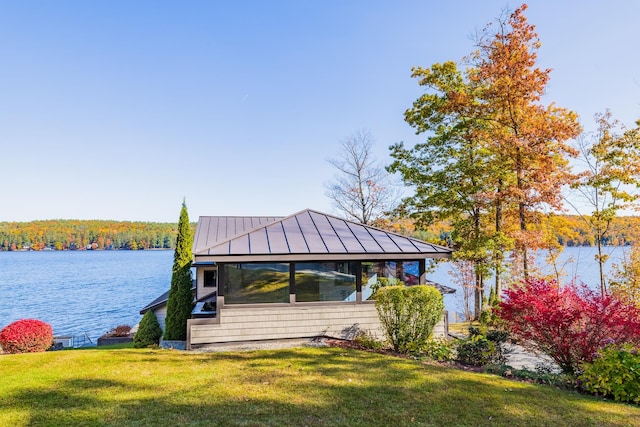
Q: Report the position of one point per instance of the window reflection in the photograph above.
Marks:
(388, 273)
(253, 283)
(325, 281)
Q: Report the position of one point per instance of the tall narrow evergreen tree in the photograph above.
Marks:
(180, 301)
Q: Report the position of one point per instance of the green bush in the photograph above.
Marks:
(439, 349)
(408, 314)
(149, 331)
(488, 316)
(366, 340)
(615, 372)
(482, 348)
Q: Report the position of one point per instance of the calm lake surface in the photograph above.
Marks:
(80, 292)
(90, 292)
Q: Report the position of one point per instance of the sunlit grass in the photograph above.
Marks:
(462, 328)
(306, 386)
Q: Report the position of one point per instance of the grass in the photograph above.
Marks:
(108, 347)
(462, 328)
(300, 387)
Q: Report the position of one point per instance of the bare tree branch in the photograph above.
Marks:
(361, 189)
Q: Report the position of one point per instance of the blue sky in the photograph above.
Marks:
(119, 109)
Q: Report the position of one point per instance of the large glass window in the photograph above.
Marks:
(253, 283)
(385, 273)
(325, 281)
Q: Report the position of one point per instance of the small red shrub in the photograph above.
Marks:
(26, 336)
(568, 323)
(120, 331)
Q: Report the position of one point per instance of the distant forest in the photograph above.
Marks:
(567, 230)
(83, 235)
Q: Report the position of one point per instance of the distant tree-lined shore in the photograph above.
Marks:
(86, 234)
(564, 230)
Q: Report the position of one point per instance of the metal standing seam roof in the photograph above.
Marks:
(305, 235)
(215, 229)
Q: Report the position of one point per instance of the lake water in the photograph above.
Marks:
(80, 292)
(575, 263)
(90, 292)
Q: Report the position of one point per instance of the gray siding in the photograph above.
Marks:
(253, 324)
(161, 314)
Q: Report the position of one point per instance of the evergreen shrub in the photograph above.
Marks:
(408, 314)
(180, 301)
(482, 348)
(149, 331)
(614, 372)
(26, 336)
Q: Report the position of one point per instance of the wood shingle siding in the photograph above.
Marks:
(271, 323)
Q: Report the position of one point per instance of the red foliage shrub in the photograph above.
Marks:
(567, 323)
(26, 336)
(120, 331)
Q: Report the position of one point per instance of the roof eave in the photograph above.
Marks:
(320, 257)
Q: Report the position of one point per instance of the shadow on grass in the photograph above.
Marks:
(313, 387)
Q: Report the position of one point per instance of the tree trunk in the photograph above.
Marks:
(479, 293)
(603, 285)
(521, 212)
(499, 251)
(523, 229)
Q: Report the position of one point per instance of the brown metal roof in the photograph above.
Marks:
(215, 229)
(306, 235)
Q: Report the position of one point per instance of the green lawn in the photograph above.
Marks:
(298, 387)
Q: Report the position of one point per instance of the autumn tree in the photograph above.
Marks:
(361, 189)
(528, 138)
(180, 302)
(555, 229)
(493, 154)
(625, 283)
(450, 170)
(612, 159)
(463, 274)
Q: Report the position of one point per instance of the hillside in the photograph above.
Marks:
(86, 234)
